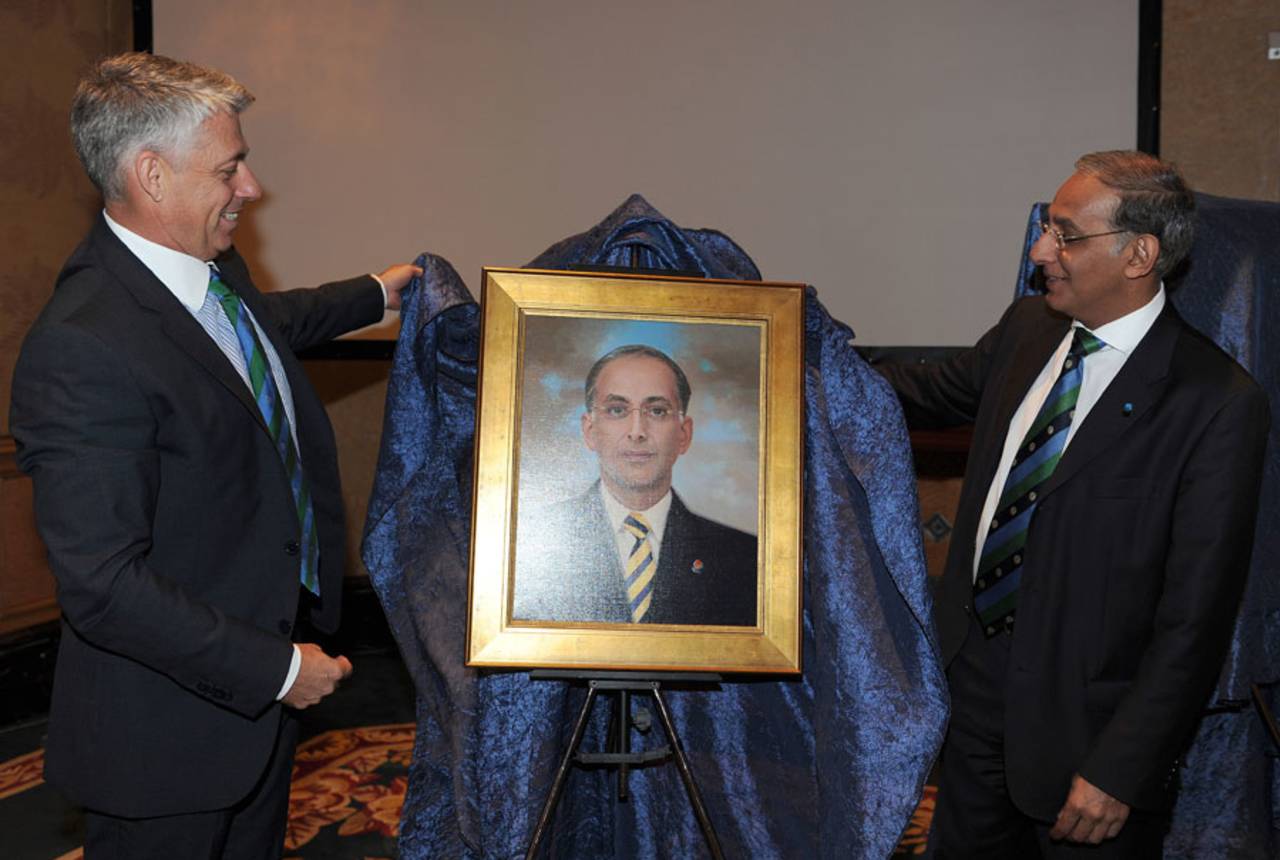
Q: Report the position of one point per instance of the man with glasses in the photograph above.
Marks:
(1103, 532)
(628, 550)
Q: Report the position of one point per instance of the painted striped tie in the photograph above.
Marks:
(640, 566)
(995, 590)
(267, 395)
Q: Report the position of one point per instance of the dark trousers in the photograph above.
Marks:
(253, 829)
(975, 817)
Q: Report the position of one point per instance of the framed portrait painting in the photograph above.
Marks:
(639, 474)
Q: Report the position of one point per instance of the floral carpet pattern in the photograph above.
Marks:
(348, 786)
(19, 774)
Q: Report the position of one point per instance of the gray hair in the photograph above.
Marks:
(1154, 198)
(682, 381)
(137, 101)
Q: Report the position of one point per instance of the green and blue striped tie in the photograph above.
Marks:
(267, 395)
(995, 590)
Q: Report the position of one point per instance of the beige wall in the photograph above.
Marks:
(1220, 101)
(887, 152)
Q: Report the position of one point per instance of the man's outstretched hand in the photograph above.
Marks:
(395, 279)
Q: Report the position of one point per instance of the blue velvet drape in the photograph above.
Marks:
(827, 765)
(1229, 803)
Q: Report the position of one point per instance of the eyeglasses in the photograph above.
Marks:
(1063, 241)
(653, 412)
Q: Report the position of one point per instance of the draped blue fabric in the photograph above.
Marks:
(1229, 804)
(830, 764)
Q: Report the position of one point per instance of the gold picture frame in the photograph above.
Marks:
(743, 343)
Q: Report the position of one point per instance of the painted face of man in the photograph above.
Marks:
(636, 428)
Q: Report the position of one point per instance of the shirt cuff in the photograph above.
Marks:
(384, 289)
(295, 663)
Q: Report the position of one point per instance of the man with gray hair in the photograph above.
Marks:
(1103, 532)
(185, 477)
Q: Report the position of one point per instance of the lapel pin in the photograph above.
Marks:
(696, 567)
(1126, 410)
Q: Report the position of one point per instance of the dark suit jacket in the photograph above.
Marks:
(568, 569)
(1136, 554)
(171, 528)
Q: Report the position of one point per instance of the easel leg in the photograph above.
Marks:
(623, 725)
(695, 797)
(562, 774)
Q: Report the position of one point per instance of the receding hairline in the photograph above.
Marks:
(683, 390)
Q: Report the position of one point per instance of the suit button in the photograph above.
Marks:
(285, 627)
(291, 547)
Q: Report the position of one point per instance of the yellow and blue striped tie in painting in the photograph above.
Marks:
(267, 395)
(640, 566)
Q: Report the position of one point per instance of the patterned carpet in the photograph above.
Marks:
(348, 785)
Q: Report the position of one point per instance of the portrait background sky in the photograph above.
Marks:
(717, 477)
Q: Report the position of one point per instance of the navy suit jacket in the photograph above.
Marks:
(171, 527)
(1136, 555)
(568, 568)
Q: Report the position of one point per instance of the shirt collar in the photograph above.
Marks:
(656, 515)
(1126, 332)
(182, 274)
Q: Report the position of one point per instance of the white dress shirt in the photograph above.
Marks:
(1121, 336)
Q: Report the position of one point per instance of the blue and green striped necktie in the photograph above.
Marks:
(995, 590)
(267, 395)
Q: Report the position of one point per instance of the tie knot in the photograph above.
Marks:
(1084, 343)
(637, 525)
(220, 290)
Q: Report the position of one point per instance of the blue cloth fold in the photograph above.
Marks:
(1229, 803)
(830, 764)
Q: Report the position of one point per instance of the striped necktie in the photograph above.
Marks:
(995, 591)
(640, 566)
(267, 395)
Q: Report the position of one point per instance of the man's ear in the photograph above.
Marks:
(1143, 253)
(686, 429)
(150, 173)
(586, 425)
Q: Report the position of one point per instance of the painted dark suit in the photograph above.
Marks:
(1136, 556)
(568, 568)
(171, 528)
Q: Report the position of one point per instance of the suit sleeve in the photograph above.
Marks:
(1206, 566)
(313, 316)
(88, 438)
(946, 393)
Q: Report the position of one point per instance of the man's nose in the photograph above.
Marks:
(247, 186)
(1044, 250)
(636, 428)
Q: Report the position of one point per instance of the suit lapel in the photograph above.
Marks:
(666, 578)
(1027, 360)
(609, 577)
(177, 323)
(1137, 386)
